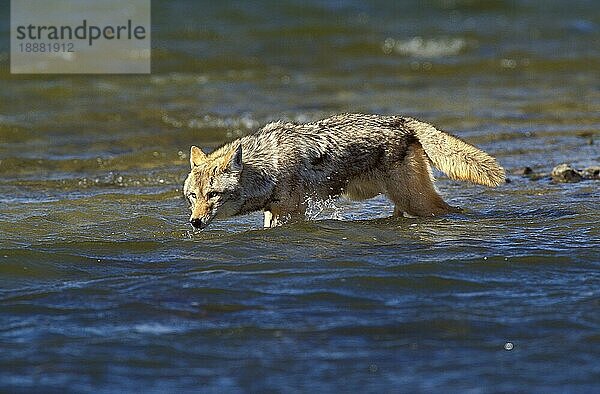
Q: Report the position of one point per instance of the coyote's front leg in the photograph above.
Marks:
(276, 216)
(270, 219)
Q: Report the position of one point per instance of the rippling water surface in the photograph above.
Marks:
(103, 287)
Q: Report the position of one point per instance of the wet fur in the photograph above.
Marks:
(359, 156)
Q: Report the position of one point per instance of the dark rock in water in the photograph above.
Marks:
(523, 171)
(592, 172)
(564, 173)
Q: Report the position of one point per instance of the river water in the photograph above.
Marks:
(105, 288)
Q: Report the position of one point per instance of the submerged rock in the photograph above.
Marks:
(592, 172)
(562, 173)
(565, 173)
(523, 171)
(529, 173)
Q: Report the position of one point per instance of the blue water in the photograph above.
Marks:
(105, 288)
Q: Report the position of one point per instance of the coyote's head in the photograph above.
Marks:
(212, 187)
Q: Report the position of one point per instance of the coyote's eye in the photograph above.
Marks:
(191, 198)
(211, 195)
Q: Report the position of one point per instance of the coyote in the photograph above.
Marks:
(277, 169)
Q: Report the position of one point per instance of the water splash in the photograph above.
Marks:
(318, 208)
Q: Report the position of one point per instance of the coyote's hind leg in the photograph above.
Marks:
(410, 187)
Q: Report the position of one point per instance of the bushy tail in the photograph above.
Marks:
(456, 158)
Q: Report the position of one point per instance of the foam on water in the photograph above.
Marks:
(425, 48)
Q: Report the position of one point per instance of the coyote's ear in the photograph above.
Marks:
(196, 156)
(233, 160)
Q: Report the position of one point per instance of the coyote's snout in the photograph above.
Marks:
(359, 156)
